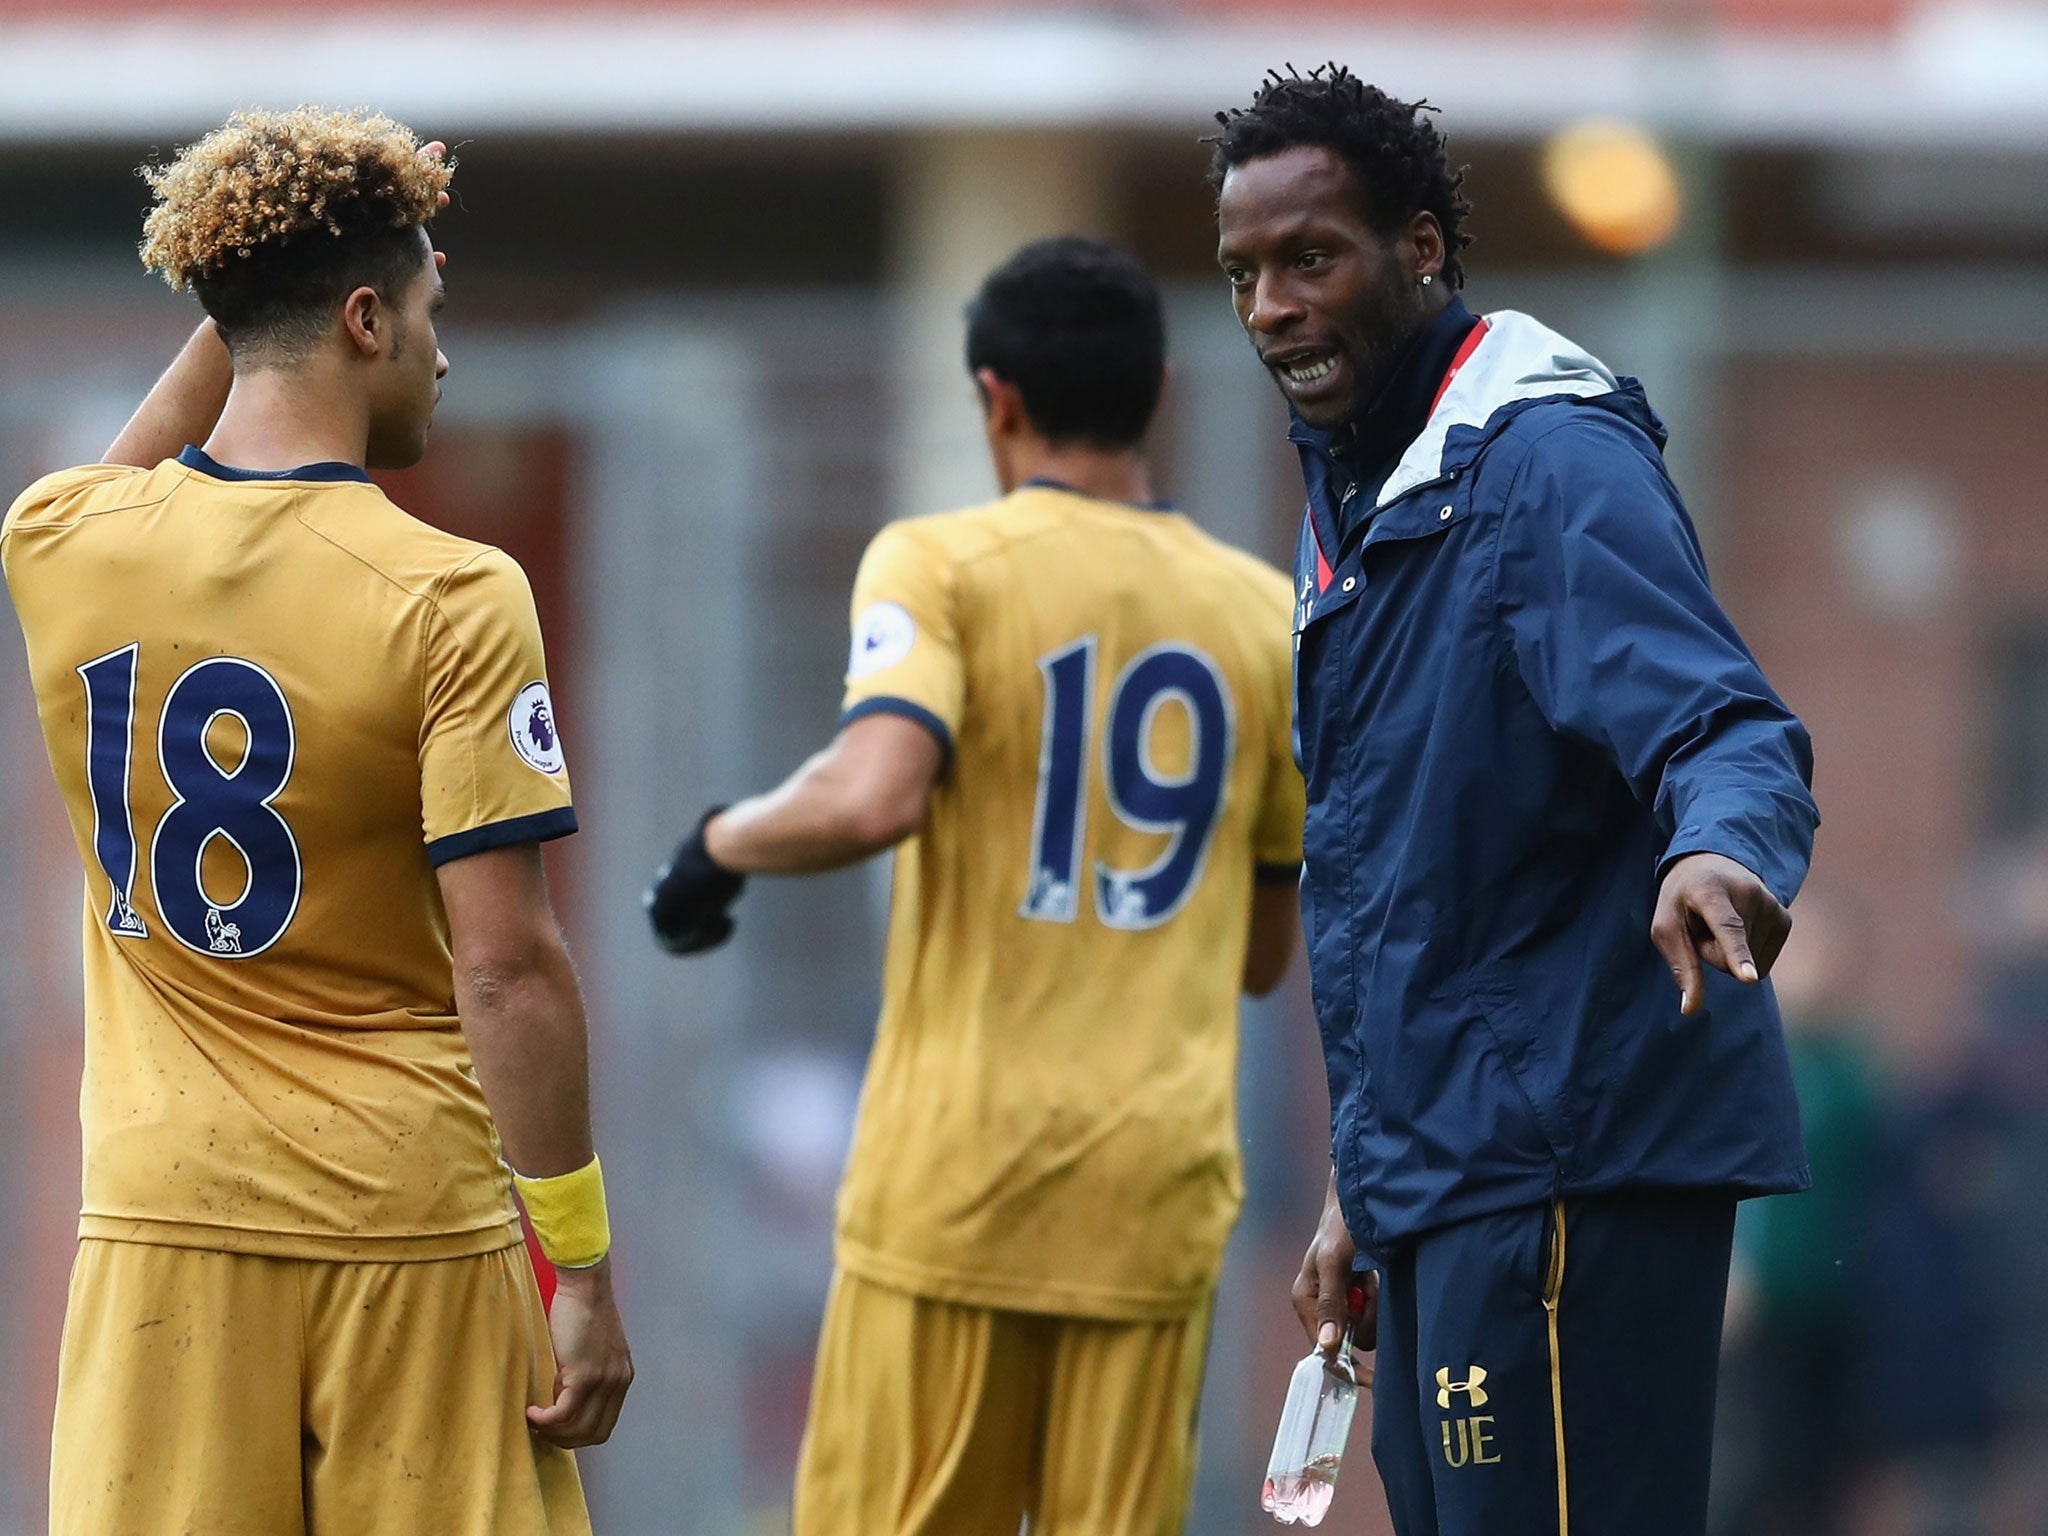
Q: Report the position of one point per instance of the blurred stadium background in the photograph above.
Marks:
(706, 266)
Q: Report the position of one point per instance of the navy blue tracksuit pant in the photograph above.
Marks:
(1550, 1371)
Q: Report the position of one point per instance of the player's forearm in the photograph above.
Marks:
(182, 407)
(525, 1025)
(1275, 937)
(821, 818)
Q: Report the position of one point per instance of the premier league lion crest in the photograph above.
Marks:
(532, 723)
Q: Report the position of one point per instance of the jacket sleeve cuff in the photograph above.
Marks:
(1773, 842)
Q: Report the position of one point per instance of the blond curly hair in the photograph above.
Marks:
(267, 179)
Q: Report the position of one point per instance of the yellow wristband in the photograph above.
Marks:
(568, 1215)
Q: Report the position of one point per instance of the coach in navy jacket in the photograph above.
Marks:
(1518, 704)
(1546, 782)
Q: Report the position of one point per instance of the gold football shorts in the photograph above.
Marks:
(930, 1418)
(228, 1394)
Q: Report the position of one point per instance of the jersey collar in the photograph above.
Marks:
(1047, 483)
(331, 470)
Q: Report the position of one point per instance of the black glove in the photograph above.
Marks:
(686, 905)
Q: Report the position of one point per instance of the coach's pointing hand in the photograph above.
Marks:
(1322, 1291)
(1713, 909)
(593, 1367)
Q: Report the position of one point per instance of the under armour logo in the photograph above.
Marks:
(1472, 1386)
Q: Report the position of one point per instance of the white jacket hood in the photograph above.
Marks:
(1517, 359)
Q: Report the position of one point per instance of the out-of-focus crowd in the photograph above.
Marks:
(1886, 1368)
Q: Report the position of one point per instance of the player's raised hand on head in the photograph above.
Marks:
(593, 1366)
(436, 150)
(1713, 909)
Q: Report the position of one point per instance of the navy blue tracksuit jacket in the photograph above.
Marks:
(1518, 702)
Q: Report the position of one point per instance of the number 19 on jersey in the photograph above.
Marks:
(1183, 807)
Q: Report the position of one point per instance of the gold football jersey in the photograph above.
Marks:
(1048, 1121)
(274, 703)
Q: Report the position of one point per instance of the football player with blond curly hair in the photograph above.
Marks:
(327, 1002)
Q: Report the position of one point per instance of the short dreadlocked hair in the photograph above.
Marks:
(274, 217)
(1396, 154)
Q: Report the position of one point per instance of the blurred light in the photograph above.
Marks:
(1902, 542)
(793, 1109)
(1612, 181)
(1990, 53)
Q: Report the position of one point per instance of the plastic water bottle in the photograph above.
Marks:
(1301, 1476)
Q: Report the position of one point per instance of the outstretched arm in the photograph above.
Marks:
(863, 793)
(1623, 646)
(183, 405)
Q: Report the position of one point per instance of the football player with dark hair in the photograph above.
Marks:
(1068, 713)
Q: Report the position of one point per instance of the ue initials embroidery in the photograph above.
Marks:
(1470, 1440)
